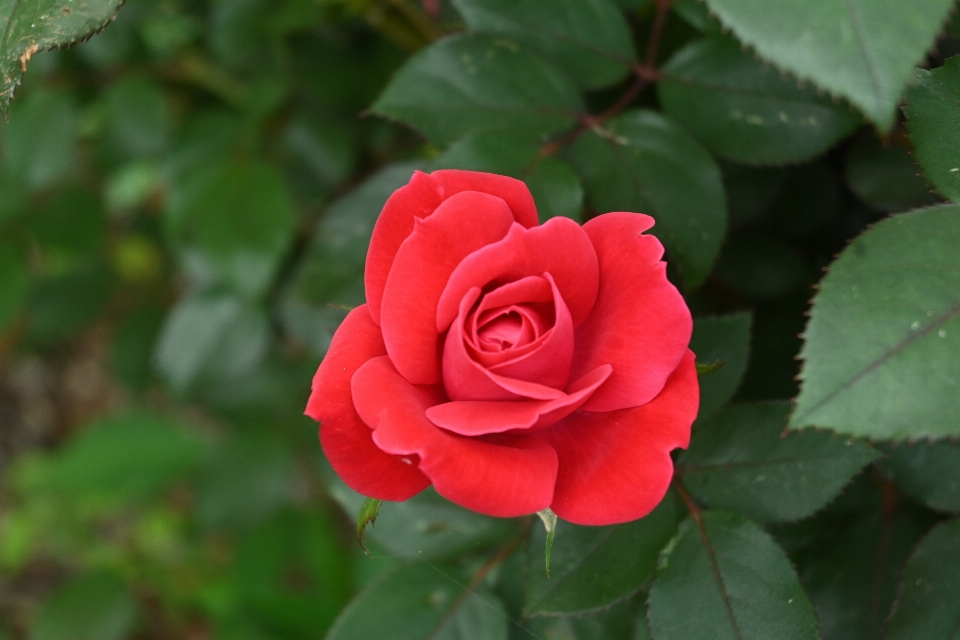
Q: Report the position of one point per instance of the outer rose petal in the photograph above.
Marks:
(615, 467)
(418, 199)
(640, 323)
(558, 247)
(504, 476)
(459, 226)
(346, 440)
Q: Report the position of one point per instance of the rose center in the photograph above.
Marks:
(504, 331)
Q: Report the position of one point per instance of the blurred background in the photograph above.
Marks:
(185, 202)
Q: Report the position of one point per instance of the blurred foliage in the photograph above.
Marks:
(185, 205)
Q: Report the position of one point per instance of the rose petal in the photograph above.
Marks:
(480, 417)
(419, 199)
(615, 467)
(465, 379)
(501, 475)
(346, 440)
(461, 225)
(558, 247)
(640, 323)
(549, 363)
(535, 289)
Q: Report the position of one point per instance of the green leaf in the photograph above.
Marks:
(211, 336)
(886, 177)
(92, 607)
(614, 623)
(59, 305)
(549, 519)
(721, 339)
(126, 455)
(335, 259)
(232, 222)
(589, 39)
(882, 349)
(426, 526)
(554, 185)
(643, 162)
(138, 117)
(421, 602)
(723, 578)
(470, 83)
(933, 113)
(852, 574)
(927, 603)
(862, 50)
(740, 461)
(29, 27)
(594, 567)
(368, 515)
(247, 479)
(766, 270)
(926, 471)
(742, 109)
(14, 276)
(40, 141)
(292, 573)
(695, 13)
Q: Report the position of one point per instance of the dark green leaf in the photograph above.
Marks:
(368, 515)
(232, 222)
(614, 623)
(126, 455)
(643, 162)
(593, 567)
(742, 109)
(926, 606)
(426, 526)
(470, 83)
(852, 576)
(933, 112)
(138, 117)
(211, 335)
(13, 292)
(336, 256)
(421, 601)
(695, 13)
(132, 354)
(247, 480)
(60, 305)
(589, 39)
(926, 471)
(861, 50)
(721, 339)
(555, 187)
(292, 573)
(29, 27)
(91, 607)
(725, 579)
(886, 177)
(762, 268)
(740, 461)
(40, 142)
(882, 349)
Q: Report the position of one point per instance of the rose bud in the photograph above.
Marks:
(512, 365)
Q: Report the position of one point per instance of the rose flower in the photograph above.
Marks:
(512, 365)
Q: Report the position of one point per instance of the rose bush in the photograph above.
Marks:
(514, 366)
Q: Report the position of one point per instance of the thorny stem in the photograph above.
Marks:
(645, 73)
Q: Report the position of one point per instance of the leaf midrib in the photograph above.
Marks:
(877, 363)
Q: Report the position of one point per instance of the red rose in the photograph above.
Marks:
(512, 365)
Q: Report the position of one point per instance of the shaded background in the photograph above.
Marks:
(185, 202)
